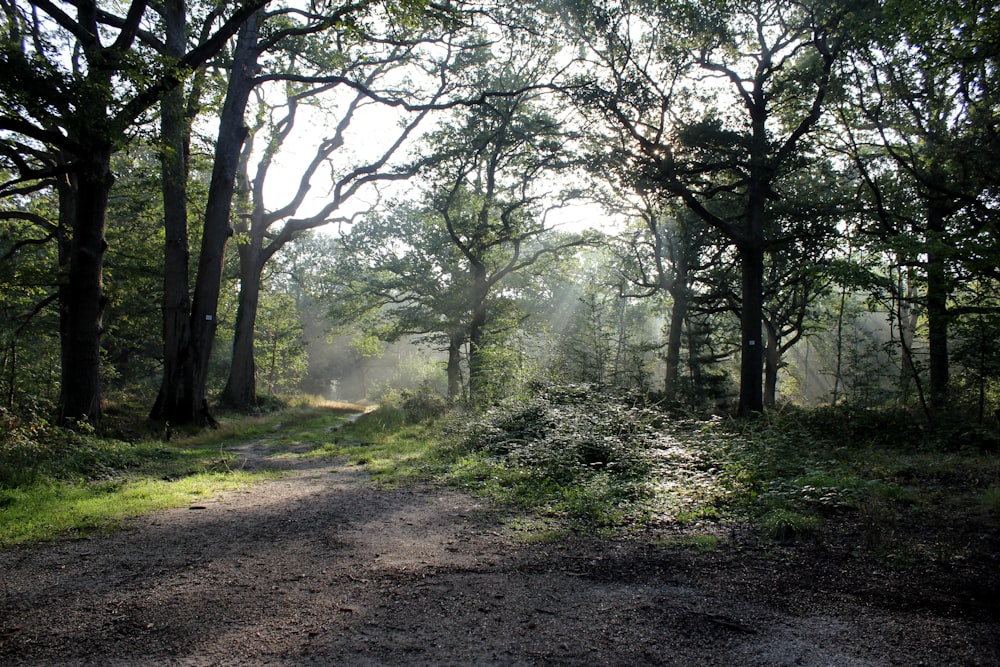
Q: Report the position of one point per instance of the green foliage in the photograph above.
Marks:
(416, 405)
(569, 450)
(29, 318)
(991, 500)
(280, 355)
(787, 525)
(698, 542)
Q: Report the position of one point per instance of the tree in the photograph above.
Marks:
(282, 355)
(486, 195)
(182, 397)
(400, 275)
(924, 134)
(375, 65)
(29, 321)
(484, 215)
(664, 253)
(717, 100)
(74, 86)
(597, 330)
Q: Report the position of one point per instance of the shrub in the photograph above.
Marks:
(789, 526)
(568, 448)
(416, 405)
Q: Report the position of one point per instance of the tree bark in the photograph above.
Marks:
(772, 361)
(455, 341)
(751, 316)
(675, 332)
(240, 392)
(217, 230)
(477, 326)
(82, 294)
(937, 310)
(174, 137)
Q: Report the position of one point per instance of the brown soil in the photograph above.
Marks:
(323, 567)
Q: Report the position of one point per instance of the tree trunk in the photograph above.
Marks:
(908, 318)
(937, 310)
(174, 136)
(232, 134)
(477, 326)
(751, 316)
(772, 360)
(241, 387)
(455, 340)
(675, 332)
(81, 295)
(240, 392)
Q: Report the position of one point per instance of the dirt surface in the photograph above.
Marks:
(322, 567)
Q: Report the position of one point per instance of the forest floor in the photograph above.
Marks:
(325, 567)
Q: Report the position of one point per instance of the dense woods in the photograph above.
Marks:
(719, 206)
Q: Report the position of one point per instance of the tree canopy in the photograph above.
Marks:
(784, 193)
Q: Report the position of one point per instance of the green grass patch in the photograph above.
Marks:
(390, 447)
(537, 530)
(586, 461)
(990, 500)
(56, 482)
(73, 509)
(786, 525)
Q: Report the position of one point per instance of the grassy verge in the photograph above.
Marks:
(395, 448)
(876, 484)
(59, 483)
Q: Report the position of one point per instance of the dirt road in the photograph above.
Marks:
(322, 567)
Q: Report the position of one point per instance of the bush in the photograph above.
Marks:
(416, 405)
(569, 448)
(33, 449)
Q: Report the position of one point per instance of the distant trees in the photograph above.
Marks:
(924, 138)
(483, 216)
(313, 77)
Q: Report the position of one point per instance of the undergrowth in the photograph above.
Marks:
(885, 482)
(569, 452)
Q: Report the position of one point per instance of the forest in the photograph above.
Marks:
(715, 279)
(720, 206)
(704, 209)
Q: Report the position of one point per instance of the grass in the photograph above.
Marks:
(582, 462)
(800, 476)
(44, 511)
(58, 483)
(699, 542)
(395, 451)
(567, 461)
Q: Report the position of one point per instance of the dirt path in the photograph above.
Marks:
(323, 568)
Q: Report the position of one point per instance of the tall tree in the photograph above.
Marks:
(664, 253)
(183, 392)
(374, 65)
(178, 108)
(75, 83)
(717, 100)
(398, 274)
(487, 194)
(925, 139)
